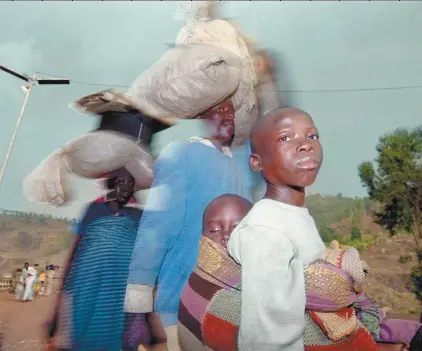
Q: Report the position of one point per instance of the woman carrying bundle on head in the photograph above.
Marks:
(90, 308)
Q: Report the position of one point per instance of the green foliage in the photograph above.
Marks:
(327, 210)
(361, 244)
(327, 234)
(356, 234)
(416, 276)
(30, 217)
(394, 180)
(405, 258)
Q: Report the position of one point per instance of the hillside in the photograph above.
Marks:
(41, 239)
(390, 259)
(342, 213)
(31, 237)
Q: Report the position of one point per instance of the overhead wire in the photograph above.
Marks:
(406, 87)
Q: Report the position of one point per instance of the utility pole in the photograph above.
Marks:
(28, 89)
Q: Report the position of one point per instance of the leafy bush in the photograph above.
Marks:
(327, 234)
(405, 258)
(356, 234)
(363, 243)
(416, 276)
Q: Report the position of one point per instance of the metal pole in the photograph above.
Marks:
(12, 141)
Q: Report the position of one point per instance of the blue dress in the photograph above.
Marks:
(166, 248)
(97, 279)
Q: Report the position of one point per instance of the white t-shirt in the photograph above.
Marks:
(273, 244)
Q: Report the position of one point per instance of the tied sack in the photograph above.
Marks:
(89, 156)
(221, 34)
(186, 81)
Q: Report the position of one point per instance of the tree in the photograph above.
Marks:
(396, 183)
(356, 234)
(327, 234)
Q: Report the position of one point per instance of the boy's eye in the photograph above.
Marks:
(313, 137)
(284, 138)
(215, 230)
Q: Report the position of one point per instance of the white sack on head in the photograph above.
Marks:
(89, 156)
(186, 81)
(222, 34)
(194, 10)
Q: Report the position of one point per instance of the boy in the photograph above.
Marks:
(278, 237)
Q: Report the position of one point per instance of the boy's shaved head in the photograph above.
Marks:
(269, 121)
(286, 148)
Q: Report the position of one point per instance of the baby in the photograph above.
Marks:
(278, 237)
(215, 276)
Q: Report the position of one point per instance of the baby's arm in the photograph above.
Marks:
(273, 290)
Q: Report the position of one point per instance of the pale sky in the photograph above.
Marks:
(319, 45)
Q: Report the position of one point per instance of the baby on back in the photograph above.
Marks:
(214, 284)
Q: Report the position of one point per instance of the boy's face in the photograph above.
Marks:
(221, 219)
(289, 151)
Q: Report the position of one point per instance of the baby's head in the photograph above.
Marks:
(222, 215)
(286, 148)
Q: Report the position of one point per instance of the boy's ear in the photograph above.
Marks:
(255, 163)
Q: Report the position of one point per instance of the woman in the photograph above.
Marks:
(91, 305)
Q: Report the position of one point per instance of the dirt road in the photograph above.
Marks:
(20, 322)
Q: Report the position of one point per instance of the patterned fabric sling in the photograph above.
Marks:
(211, 306)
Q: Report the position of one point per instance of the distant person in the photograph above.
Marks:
(51, 274)
(90, 306)
(42, 280)
(19, 284)
(30, 276)
(278, 237)
(37, 284)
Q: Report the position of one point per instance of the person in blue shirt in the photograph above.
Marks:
(189, 175)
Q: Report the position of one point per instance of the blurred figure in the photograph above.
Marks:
(30, 276)
(42, 281)
(51, 274)
(19, 284)
(267, 91)
(194, 172)
(90, 308)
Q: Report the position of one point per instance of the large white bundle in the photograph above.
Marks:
(90, 156)
(186, 81)
(220, 33)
